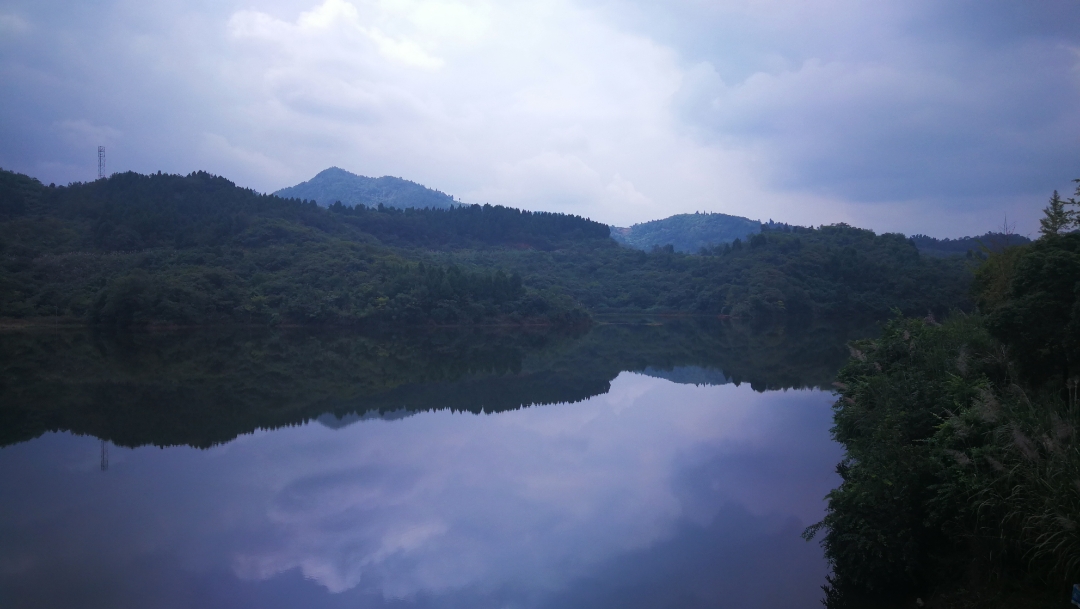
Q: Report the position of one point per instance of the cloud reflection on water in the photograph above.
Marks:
(676, 491)
(535, 497)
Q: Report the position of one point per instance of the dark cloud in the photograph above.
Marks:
(958, 107)
(995, 23)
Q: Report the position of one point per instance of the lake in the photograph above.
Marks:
(636, 464)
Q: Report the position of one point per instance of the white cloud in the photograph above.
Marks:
(329, 14)
(403, 50)
(219, 149)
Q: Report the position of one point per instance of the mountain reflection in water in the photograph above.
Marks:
(370, 482)
(206, 387)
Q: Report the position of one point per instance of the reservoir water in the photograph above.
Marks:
(669, 465)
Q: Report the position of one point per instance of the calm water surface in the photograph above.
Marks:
(653, 493)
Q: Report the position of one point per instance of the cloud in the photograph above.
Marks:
(884, 111)
(880, 132)
(83, 133)
(216, 148)
(336, 18)
(560, 182)
(620, 110)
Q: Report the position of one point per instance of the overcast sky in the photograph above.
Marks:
(920, 116)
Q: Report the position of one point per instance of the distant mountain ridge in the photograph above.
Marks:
(687, 232)
(335, 184)
(991, 241)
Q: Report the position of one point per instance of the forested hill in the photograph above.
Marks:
(132, 212)
(335, 184)
(167, 249)
(690, 233)
(687, 232)
(471, 226)
(197, 249)
(831, 271)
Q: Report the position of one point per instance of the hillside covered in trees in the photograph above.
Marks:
(692, 233)
(334, 185)
(196, 249)
(686, 233)
(833, 271)
(167, 249)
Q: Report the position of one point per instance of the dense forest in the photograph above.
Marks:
(196, 249)
(961, 484)
(832, 271)
(187, 250)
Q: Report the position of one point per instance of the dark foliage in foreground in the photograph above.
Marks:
(961, 483)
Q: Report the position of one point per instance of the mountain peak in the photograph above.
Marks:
(687, 232)
(336, 184)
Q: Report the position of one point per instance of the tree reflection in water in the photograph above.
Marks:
(204, 387)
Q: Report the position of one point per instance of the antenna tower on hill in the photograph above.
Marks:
(100, 162)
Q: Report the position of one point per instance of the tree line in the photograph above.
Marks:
(136, 249)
